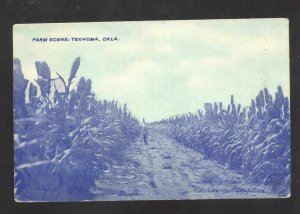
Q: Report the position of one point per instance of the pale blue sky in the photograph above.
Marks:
(163, 68)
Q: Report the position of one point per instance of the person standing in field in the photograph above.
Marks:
(145, 132)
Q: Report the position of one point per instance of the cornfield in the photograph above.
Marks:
(254, 141)
(64, 138)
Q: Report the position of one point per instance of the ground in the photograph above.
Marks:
(165, 169)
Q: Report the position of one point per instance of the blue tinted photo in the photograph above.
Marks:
(153, 110)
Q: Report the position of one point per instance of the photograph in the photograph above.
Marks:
(152, 110)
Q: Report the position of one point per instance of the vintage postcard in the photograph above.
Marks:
(151, 110)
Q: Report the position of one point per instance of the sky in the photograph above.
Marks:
(165, 68)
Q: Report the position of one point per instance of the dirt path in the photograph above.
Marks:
(165, 169)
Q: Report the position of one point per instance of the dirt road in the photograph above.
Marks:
(165, 169)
